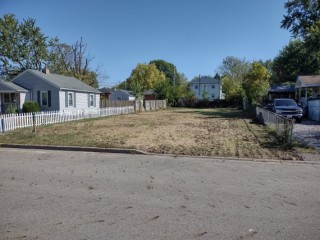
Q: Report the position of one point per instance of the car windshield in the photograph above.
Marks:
(285, 102)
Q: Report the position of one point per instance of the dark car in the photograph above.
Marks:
(288, 108)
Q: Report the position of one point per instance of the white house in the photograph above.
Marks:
(53, 92)
(206, 87)
(121, 94)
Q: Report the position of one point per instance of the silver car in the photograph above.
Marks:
(288, 108)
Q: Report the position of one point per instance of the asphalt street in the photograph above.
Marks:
(79, 195)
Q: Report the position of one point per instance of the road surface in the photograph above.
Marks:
(79, 195)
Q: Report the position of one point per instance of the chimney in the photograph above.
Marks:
(46, 70)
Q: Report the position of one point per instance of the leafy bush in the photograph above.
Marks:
(30, 107)
(11, 109)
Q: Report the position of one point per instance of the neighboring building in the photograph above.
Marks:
(206, 87)
(105, 93)
(308, 95)
(122, 95)
(54, 92)
(149, 95)
(281, 92)
(12, 94)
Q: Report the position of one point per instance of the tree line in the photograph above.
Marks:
(23, 46)
(301, 56)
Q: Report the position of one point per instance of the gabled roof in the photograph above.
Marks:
(105, 90)
(205, 80)
(130, 93)
(10, 87)
(62, 82)
(149, 92)
(308, 81)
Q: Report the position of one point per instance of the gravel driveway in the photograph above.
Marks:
(308, 132)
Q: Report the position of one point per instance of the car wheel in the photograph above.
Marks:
(298, 120)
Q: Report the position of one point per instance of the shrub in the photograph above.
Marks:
(11, 109)
(30, 107)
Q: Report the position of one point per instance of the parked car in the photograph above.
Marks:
(288, 108)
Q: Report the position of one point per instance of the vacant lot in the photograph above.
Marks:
(208, 132)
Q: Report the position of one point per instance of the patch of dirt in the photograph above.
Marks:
(207, 132)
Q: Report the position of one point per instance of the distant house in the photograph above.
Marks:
(121, 94)
(11, 94)
(149, 95)
(105, 93)
(206, 87)
(53, 92)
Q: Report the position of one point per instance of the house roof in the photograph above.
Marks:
(10, 87)
(149, 92)
(280, 89)
(106, 90)
(205, 80)
(130, 93)
(308, 81)
(62, 82)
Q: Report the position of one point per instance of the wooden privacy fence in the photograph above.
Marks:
(153, 105)
(115, 103)
(13, 121)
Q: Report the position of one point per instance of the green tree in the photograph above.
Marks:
(297, 58)
(231, 88)
(164, 90)
(256, 83)
(232, 72)
(22, 46)
(312, 39)
(301, 15)
(146, 76)
(169, 70)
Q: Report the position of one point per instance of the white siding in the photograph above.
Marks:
(81, 99)
(22, 99)
(198, 93)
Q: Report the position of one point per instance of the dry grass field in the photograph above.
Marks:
(205, 132)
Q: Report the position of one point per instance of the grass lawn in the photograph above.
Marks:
(209, 132)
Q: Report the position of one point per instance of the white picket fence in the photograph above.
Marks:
(14, 121)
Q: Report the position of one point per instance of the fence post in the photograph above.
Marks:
(2, 124)
(290, 133)
(34, 122)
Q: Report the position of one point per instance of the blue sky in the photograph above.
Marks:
(194, 35)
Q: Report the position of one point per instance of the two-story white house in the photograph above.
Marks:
(206, 87)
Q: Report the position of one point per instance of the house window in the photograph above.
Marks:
(70, 99)
(213, 86)
(195, 86)
(9, 97)
(213, 96)
(44, 99)
(119, 98)
(91, 100)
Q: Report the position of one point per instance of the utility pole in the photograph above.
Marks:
(174, 86)
(199, 85)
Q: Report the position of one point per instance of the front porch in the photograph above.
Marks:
(12, 97)
(308, 95)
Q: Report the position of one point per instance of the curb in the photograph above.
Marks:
(74, 148)
(140, 152)
(222, 159)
